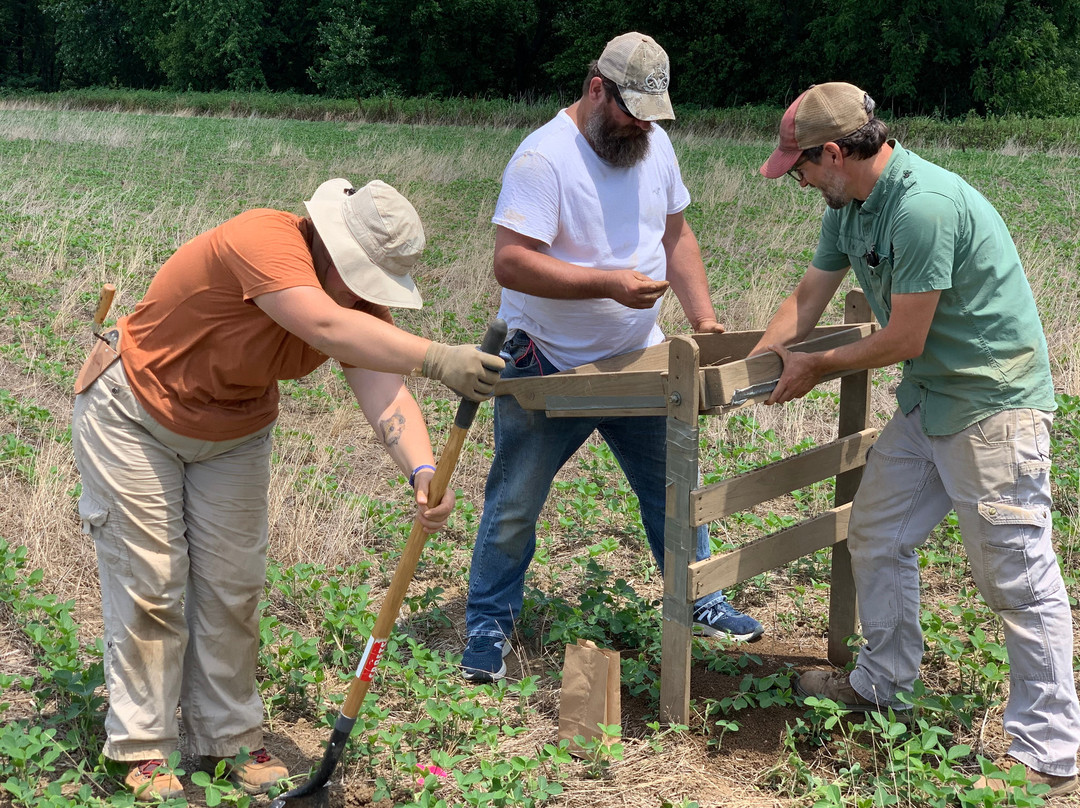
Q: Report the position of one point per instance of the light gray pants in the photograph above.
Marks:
(180, 527)
(996, 475)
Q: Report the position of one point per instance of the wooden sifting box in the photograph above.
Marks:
(636, 383)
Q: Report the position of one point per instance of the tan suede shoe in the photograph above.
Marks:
(261, 770)
(835, 685)
(151, 783)
(1058, 784)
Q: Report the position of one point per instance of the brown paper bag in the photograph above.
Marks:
(590, 693)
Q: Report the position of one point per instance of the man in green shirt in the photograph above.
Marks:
(971, 432)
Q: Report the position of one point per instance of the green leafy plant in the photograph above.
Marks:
(599, 753)
(217, 788)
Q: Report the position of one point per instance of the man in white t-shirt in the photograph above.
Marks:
(590, 235)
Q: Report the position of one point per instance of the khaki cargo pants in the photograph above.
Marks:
(996, 476)
(180, 528)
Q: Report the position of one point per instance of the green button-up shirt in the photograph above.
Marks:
(922, 229)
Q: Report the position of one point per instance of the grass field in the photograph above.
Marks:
(90, 197)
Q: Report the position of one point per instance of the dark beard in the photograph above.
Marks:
(613, 144)
(834, 195)
(836, 202)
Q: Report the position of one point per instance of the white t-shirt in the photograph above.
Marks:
(587, 212)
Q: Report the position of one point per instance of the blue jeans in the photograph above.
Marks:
(530, 448)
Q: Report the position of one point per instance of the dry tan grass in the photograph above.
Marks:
(733, 229)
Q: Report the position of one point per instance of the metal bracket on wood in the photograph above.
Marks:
(744, 394)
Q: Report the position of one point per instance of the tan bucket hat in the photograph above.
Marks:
(374, 236)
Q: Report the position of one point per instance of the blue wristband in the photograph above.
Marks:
(412, 477)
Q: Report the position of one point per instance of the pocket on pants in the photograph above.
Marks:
(525, 358)
(1009, 533)
(521, 350)
(92, 512)
(112, 551)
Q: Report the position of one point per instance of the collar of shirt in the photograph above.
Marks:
(893, 174)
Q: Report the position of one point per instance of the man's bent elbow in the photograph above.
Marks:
(507, 263)
(504, 274)
(511, 272)
(899, 343)
(910, 349)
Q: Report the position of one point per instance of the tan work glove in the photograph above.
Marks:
(465, 369)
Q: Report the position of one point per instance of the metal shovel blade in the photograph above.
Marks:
(319, 798)
(314, 793)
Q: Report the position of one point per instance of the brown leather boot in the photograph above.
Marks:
(835, 685)
(151, 783)
(257, 774)
(1058, 784)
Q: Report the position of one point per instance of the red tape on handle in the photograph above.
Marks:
(372, 654)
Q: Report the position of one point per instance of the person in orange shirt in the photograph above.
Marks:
(173, 446)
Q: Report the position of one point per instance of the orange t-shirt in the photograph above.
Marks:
(201, 357)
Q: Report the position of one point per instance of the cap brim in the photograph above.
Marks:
(648, 106)
(363, 276)
(780, 162)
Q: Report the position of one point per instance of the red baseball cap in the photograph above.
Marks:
(824, 113)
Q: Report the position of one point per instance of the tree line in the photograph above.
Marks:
(931, 57)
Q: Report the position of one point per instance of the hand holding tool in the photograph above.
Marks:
(313, 792)
(468, 372)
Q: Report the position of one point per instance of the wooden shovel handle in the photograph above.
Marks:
(410, 557)
(105, 301)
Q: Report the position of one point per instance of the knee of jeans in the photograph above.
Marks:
(513, 539)
(1017, 565)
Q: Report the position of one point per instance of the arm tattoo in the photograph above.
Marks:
(392, 428)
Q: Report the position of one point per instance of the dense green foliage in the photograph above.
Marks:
(942, 58)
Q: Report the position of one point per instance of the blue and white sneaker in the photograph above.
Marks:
(721, 619)
(483, 659)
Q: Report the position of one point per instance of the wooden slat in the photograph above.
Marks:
(652, 358)
(594, 393)
(853, 417)
(719, 349)
(723, 381)
(680, 539)
(776, 479)
(720, 572)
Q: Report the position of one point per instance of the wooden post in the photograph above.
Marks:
(854, 416)
(680, 537)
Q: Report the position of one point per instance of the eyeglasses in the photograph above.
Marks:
(622, 104)
(613, 90)
(796, 173)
